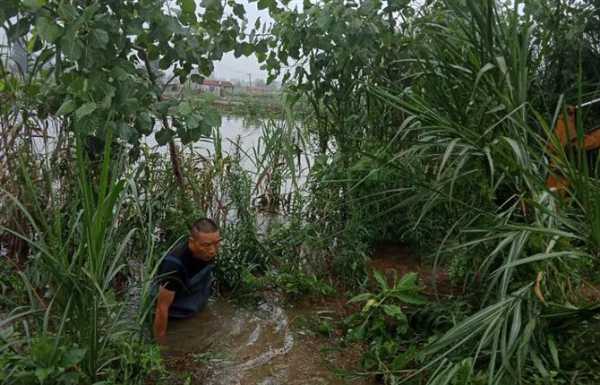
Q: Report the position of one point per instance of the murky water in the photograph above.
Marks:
(258, 346)
(233, 129)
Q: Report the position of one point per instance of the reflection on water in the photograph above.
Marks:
(237, 135)
(241, 136)
(242, 346)
(233, 129)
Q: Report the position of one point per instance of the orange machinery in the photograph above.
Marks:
(566, 132)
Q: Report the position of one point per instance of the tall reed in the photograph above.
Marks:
(80, 255)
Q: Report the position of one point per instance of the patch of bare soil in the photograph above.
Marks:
(394, 260)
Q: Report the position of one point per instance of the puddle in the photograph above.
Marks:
(234, 345)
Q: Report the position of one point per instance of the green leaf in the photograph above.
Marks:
(48, 29)
(262, 4)
(101, 36)
(212, 118)
(380, 279)
(408, 281)
(539, 365)
(67, 11)
(237, 51)
(71, 46)
(72, 357)
(42, 351)
(247, 49)
(358, 333)
(211, 3)
(403, 359)
(553, 352)
(67, 107)
(188, 6)
(85, 110)
(239, 11)
(184, 108)
(34, 4)
(324, 21)
(144, 123)
(395, 312)
(42, 374)
(71, 378)
(163, 136)
(411, 299)
(164, 106)
(127, 132)
(33, 44)
(361, 297)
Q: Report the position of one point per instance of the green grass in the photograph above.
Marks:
(77, 255)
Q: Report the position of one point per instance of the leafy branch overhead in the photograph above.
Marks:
(107, 61)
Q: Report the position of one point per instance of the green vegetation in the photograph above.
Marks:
(248, 105)
(425, 124)
(384, 324)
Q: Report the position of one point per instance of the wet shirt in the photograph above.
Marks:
(174, 275)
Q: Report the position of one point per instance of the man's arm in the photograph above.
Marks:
(161, 316)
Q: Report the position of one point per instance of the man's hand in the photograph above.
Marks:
(161, 316)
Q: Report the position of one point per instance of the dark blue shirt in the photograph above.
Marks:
(174, 275)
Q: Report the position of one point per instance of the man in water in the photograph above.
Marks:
(186, 275)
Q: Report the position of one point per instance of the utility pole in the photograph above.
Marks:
(250, 79)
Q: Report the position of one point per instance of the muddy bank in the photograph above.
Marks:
(397, 259)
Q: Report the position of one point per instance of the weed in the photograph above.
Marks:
(383, 324)
(293, 285)
(44, 361)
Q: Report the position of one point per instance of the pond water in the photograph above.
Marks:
(236, 345)
(243, 136)
(237, 135)
(233, 129)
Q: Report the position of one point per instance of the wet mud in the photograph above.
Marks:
(266, 344)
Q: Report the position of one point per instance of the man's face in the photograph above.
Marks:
(204, 246)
